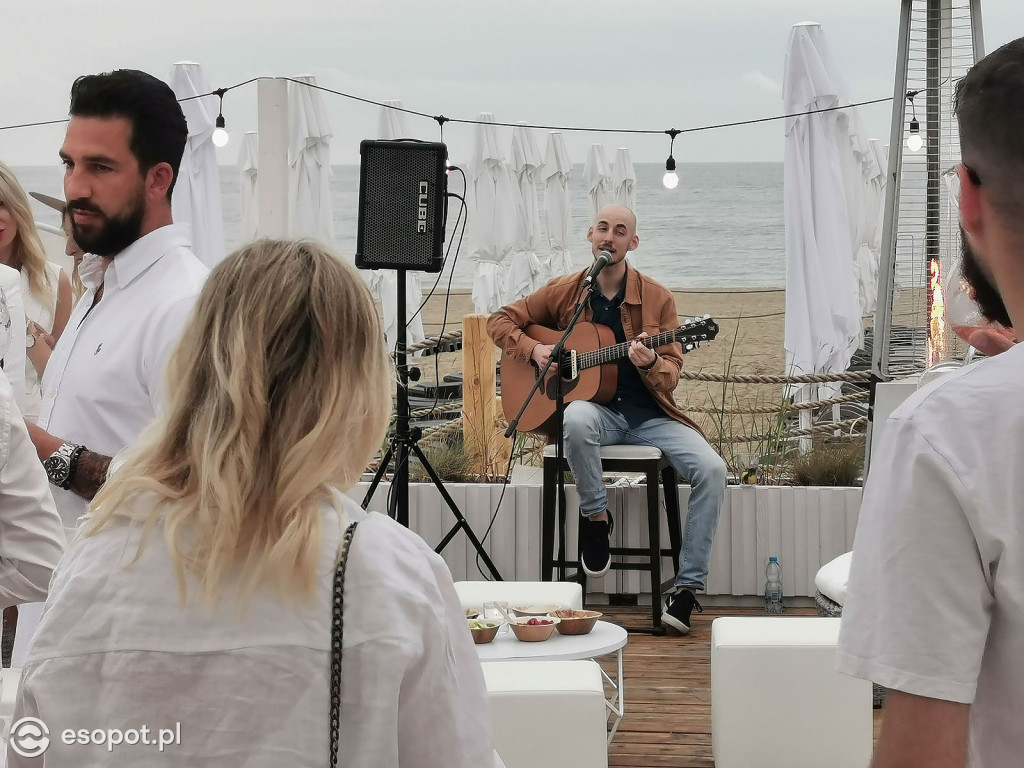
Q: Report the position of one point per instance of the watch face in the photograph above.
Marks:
(57, 469)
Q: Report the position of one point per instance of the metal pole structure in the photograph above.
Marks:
(932, 147)
(890, 226)
(272, 173)
(890, 222)
(977, 35)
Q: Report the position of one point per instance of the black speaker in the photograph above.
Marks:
(403, 189)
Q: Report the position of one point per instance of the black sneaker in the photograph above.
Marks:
(678, 608)
(596, 534)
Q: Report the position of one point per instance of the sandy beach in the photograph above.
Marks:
(749, 342)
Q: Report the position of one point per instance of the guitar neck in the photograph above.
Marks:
(618, 351)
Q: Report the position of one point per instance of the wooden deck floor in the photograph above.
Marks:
(668, 692)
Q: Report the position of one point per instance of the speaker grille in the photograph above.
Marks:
(402, 202)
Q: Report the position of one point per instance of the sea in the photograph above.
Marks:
(721, 228)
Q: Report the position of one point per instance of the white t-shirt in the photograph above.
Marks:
(935, 602)
(116, 649)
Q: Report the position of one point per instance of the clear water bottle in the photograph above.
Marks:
(773, 586)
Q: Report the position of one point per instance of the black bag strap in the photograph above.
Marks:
(337, 631)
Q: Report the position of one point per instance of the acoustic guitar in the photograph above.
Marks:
(588, 368)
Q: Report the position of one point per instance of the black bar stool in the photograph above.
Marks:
(619, 458)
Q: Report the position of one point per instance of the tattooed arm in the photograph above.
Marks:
(89, 472)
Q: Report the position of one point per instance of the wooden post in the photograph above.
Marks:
(486, 446)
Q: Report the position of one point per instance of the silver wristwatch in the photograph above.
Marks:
(60, 465)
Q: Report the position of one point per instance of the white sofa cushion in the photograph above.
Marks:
(832, 578)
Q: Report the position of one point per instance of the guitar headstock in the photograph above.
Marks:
(695, 332)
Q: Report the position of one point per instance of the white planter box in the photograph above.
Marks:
(805, 527)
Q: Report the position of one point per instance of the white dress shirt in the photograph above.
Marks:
(117, 649)
(102, 384)
(31, 534)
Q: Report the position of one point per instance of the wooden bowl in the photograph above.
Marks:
(540, 609)
(485, 631)
(576, 622)
(534, 633)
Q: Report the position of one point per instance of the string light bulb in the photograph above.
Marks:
(220, 137)
(671, 179)
(914, 140)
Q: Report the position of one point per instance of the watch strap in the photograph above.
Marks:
(73, 465)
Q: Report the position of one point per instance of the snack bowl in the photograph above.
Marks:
(483, 630)
(540, 609)
(576, 622)
(534, 633)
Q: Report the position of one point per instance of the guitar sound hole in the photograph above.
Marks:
(551, 387)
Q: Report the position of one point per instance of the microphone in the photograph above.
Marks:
(603, 260)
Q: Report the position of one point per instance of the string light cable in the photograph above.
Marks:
(467, 121)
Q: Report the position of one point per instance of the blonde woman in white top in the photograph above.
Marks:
(198, 594)
(45, 287)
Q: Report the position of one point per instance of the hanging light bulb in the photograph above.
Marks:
(220, 137)
(671, 179)
(914, 140)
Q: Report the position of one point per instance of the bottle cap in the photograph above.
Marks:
(773, 559)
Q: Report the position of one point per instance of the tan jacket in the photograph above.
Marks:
(648, 306)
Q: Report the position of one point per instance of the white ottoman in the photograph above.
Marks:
(548, 714)
(776, 700)
(473, 594)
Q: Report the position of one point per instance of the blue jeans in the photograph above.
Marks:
(587, 426)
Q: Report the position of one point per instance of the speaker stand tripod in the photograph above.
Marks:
(404, 444)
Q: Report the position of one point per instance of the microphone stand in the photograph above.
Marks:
(556, 354)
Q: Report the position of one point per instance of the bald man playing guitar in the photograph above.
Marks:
(635, 348)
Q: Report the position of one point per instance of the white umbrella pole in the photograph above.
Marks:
(272, 179)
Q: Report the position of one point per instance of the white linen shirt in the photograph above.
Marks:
(935, 600)
(103, 382)
(31, 534)
(117, 649)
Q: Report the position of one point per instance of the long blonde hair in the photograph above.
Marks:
(29, 253)
(279, 390)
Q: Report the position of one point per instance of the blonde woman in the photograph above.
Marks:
(45, 287)
(198, 595)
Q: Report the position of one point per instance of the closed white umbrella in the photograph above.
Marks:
(597, 179)
(248, 165)
(309, 161)
(557, 206)
(196, 197)
(624, 179)
(384, 282)
(524, 270)
(823, 319)
(492, 200)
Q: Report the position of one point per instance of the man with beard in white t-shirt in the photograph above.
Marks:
(935, 605)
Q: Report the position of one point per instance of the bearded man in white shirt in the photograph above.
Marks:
(935, 604)
(103, 383)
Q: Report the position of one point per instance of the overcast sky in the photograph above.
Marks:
(647, 64)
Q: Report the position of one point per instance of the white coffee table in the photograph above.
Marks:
(605, 638)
